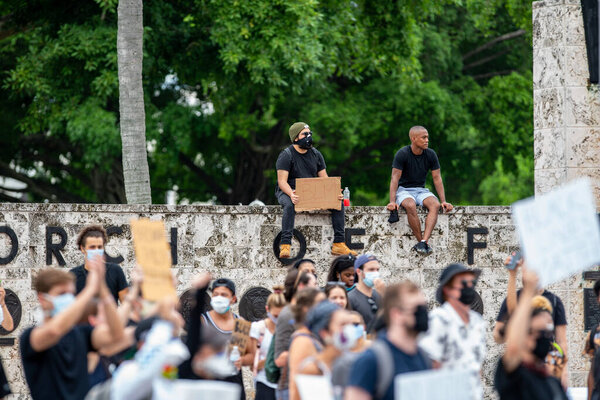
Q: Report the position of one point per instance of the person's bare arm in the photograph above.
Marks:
(49, 333)
(511, 290)
(282, 177)
(112, 330)
(8, 322)
(590, 380)
(356, 393)
(322, 174)
(396, 175)
(439, 188)
(248, 358)
(282, 359)
(301, 348)
(518, 324)
(122, 294)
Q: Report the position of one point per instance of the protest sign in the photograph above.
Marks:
(433, 384)
(153, 254)
(314, 387)
(184, 389)
(559, 231)
(318, 193)
(240, 335)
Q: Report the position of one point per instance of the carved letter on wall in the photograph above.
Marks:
(348, 238)
(174, 246)
(114, 230)
(55, 248)
(287, 261)
(14, 245)
(471, 245)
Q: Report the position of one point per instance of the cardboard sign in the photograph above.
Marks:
(433, 384)
(240, 335)
(318, 193)
(559, 231)
(152, 253)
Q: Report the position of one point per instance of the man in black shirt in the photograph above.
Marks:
(91, 242)
(302, 160)
(407, 186)
(54, 352)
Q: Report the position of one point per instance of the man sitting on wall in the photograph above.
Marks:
(407, 186)
(302, 160)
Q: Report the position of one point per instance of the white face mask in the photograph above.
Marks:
(347, 338)
(370, 277)
(220, 304)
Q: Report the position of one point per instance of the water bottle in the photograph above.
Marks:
(234, 355)
(346, 197)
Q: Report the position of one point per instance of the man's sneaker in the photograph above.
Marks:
(420, 248)
(429, 249)
(284, 251)
(340, 249)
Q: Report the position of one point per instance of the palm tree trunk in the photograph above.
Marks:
(131, 102)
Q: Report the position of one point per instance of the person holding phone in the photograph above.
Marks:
(559, 317)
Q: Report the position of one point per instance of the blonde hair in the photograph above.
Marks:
(276, 299)
(541, 303)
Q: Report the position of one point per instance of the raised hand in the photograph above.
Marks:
(392, 206)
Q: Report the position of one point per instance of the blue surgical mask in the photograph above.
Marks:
(271, 317)
(60, 303)
(94, 253)
(370, 277)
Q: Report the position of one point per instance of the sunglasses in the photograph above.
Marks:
(342, 284)
(373, 305)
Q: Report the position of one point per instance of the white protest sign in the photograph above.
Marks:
(433, 385)
(559, 231)
(314, 387)
(184, 389)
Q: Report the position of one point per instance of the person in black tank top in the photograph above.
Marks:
(302, 160)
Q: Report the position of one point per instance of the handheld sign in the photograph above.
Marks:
(240, 335)
(314, 387)
(152, 253)
(318, 193)
(434, 384)
(559, 231)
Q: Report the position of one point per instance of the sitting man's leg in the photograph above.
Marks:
(339, 247)
(410, 205)
(287, 225)
(433, 205)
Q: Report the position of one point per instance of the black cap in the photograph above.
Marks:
(224, 282)
(450, 272)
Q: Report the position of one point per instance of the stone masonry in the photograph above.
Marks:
(237, 242)
(566, 107)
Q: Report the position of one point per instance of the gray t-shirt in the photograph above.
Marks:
(363, 304)
(283, 334)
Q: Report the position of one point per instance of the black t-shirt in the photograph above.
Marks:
(415, 167)
(558, 309)
(527, 384)
(59, 372)
(115, 279)
(299, 165)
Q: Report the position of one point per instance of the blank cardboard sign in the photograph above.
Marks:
(152, 253)
(318, 193)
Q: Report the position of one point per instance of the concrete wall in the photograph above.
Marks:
(237, 242)
(566, 108)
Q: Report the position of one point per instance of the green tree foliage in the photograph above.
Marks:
(225, 78)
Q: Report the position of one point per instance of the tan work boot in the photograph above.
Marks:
(340, 249)
(284, 251)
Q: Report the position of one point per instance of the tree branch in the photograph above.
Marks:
(492, 74)
(486, 59)
(506, 36)
(214, 185)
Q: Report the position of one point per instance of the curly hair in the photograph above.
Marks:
(91, 231)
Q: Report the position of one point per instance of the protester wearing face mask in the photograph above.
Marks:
(302, 160)
(364, 298)
(306, 265)
(91, 242)
(262, 333)
(405, 314)
(456, 335)
(54, 353)
(522, 372)
(221, 320)
(337, 294)
(342, 270)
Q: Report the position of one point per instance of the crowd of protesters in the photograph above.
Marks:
(96, 337)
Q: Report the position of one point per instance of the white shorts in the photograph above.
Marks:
(418, 194)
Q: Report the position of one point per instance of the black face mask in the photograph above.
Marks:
(306, 142)
(421, 319)
(467, 295)
(542, 345)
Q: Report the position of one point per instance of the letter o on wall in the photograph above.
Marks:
(14, 244)
(287, 261)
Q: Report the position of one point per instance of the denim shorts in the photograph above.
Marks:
(418, 194)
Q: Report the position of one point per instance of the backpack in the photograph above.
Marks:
(272, 371)
(386, 368)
